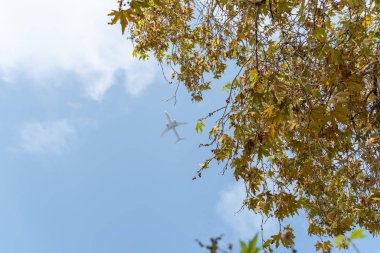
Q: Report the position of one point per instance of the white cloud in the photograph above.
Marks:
(244, 222)
(48, 137)
(41, 38)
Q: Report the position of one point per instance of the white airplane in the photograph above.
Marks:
(171, 125)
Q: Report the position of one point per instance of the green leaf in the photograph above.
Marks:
(199, 127)
(252, 245)
(320, 35)
(338, 241)
(226, 87)
(357, 234)
(243, 247)
(315, 92)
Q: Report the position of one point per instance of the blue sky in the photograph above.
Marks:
(83, 165)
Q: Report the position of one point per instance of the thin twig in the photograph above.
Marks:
(174, 96)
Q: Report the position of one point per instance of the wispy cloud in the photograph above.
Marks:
(47, 137)
(244, 222)
(40, 38)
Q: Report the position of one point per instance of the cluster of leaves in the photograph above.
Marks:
(214, 247)
(135, 10)
(301, 122)
(343, 242)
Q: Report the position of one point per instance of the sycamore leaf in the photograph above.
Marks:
(357, 234)
(370, 142)
(214, 131)
(116, 17)
(340, 113)
(199, 127)
(120, 16)
(268, 111)
(367, 21)
(338, 241)
(158, 2)
(341, 97)
(303, 93)
(226, 87)
(253, 77)
(320, 35)
(123, 21)
(130, 16)
(375, 195)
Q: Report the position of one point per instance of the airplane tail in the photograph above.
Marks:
(179, 139)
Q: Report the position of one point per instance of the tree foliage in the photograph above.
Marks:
(214, 247)
(301, 121)
(341, 242)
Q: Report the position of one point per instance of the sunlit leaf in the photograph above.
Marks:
(199, 127)
(357, 234)
(300, 121)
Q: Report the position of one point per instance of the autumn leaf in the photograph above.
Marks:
(253, 76)
(121, 17)
(214, 131)
(199, 127)
(302, 101)
(357, 234)
(371, 142)
(367, 21)
(339, 242)
(226, 87)
(116, 17)
(268, 111)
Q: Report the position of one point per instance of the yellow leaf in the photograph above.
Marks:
(367, 21)
(199, 127)
(293, 126)
(375, 196)
(253, 76)
(214, 131)
(370, 142)
(268, 112)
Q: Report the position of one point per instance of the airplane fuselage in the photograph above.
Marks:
(171, 125)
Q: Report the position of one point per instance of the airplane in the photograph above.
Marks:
(171, 125)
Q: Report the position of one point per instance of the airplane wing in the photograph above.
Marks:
(181, 123)
(176, 133)
(165, 131)
(168, 117)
